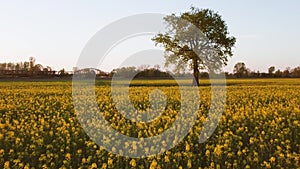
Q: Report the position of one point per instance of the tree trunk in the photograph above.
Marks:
(195, 73)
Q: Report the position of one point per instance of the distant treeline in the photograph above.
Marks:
(241, 71)
(30, 69)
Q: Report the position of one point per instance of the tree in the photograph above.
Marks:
(124, 71)
(10, 66)
(18, 66)
(31, 64)
(296, 72)
(38, 68)
(278, 73)
(62, 72)
(182, 40)
(240, 69)
(2, 66)
(271, 70)
(286, 72)
(26, 66)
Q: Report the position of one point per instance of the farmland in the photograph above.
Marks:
(259, 128)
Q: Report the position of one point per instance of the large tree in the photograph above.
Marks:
(191, 36)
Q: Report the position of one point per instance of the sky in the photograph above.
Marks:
(56, 31)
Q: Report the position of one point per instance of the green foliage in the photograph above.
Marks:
(198, 39)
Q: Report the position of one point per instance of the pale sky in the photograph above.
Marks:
(56, 31)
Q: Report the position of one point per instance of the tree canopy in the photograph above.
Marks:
(240, 69)
(197, 39)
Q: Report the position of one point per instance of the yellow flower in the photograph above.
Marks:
(94, 165)
(218, 150)
(207, 153)
(239, 153)
(153, 164)
(1, 152)
(281, 155)
(68, 156)
(21, 165)
(104, 165)
(2, 126)
(268, 165)
(110, 161)
(167, 159)
(189, 164)
(278, 148)
(6, 164)
(187, 147)
(272, 159)
(132, 163)
(251, 140)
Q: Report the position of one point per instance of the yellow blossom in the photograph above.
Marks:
(207, 152)
(189, 164)
(272, 159)
(6, 164)
(132, 163)
(187, 147)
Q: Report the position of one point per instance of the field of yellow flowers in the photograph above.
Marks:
(259, 128)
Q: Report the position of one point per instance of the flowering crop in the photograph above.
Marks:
(259, 128)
